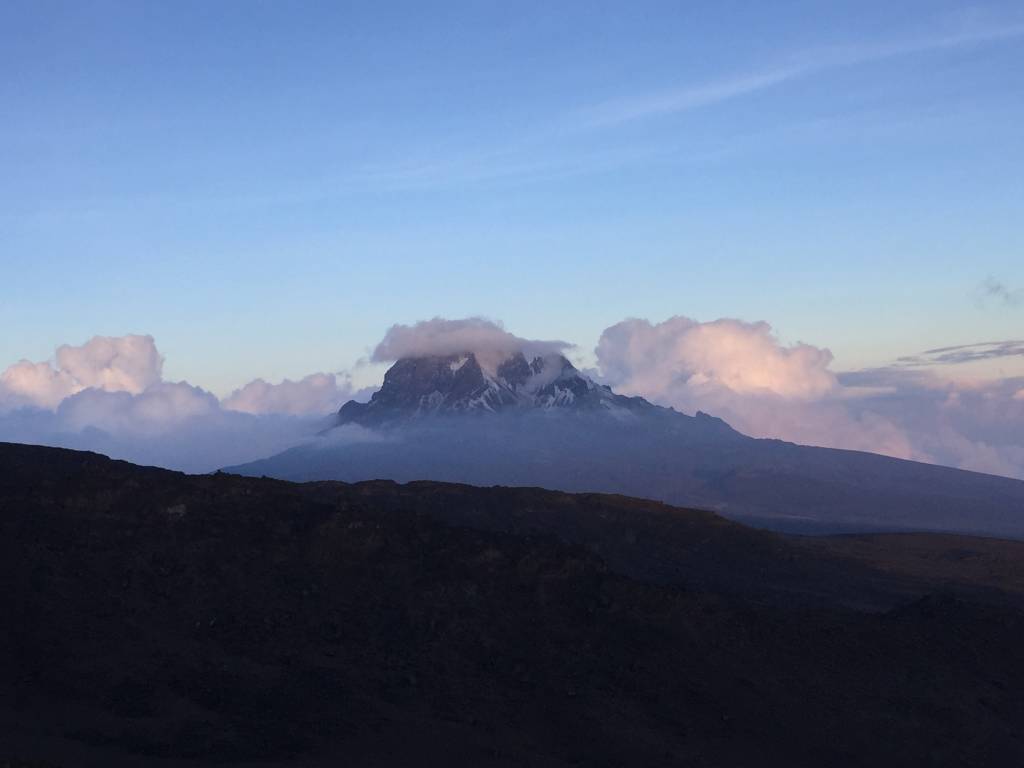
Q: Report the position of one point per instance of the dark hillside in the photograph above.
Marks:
(155, 618)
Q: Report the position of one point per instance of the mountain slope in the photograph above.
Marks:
(228, 620)
(545, 424)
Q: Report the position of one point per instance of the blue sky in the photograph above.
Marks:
(266, 187)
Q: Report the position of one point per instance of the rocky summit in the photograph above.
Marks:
(415, 387)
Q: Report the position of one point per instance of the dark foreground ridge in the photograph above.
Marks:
(155, 618)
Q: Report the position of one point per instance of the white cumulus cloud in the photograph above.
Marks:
(35, 384)
(486, 339)
(112, 364)
(109, 395)
(318, 393)
(743, 358)
(160, 407)
(742, 373)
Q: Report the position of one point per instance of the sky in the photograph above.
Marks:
(266, 188)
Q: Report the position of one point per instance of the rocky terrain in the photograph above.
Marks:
(155, 618)
(421, 387)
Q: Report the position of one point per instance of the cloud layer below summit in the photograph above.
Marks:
(109, 394)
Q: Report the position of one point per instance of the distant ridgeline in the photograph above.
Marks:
(541, 422)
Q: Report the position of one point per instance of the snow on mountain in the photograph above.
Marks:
(415, 387)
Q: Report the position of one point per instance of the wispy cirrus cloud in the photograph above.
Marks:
(575, 143)
(965, 353)
(669, 101)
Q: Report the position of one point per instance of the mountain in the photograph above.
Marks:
(153, 617)
(543, 423)
(420, 387)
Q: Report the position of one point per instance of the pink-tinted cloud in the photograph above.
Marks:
(318, 393)
(35, 384)
(441, 337)
(742, 358)
(114, 364)
(111, 364)
(742, 373)
(109, 395)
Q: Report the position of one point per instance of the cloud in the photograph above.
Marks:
(675, 100)
(157, 429)
(742, 373)
(353, 434)
(666, 102)
(972, 425)
(742, 358)
(35, 384)
(151, 412)
(997, 291)
(108, 395)
(488, 340)
(965, 353)
(132, 367)
(317, 393)
(112, 364)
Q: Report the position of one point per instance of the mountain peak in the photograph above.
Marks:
(416, 387)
